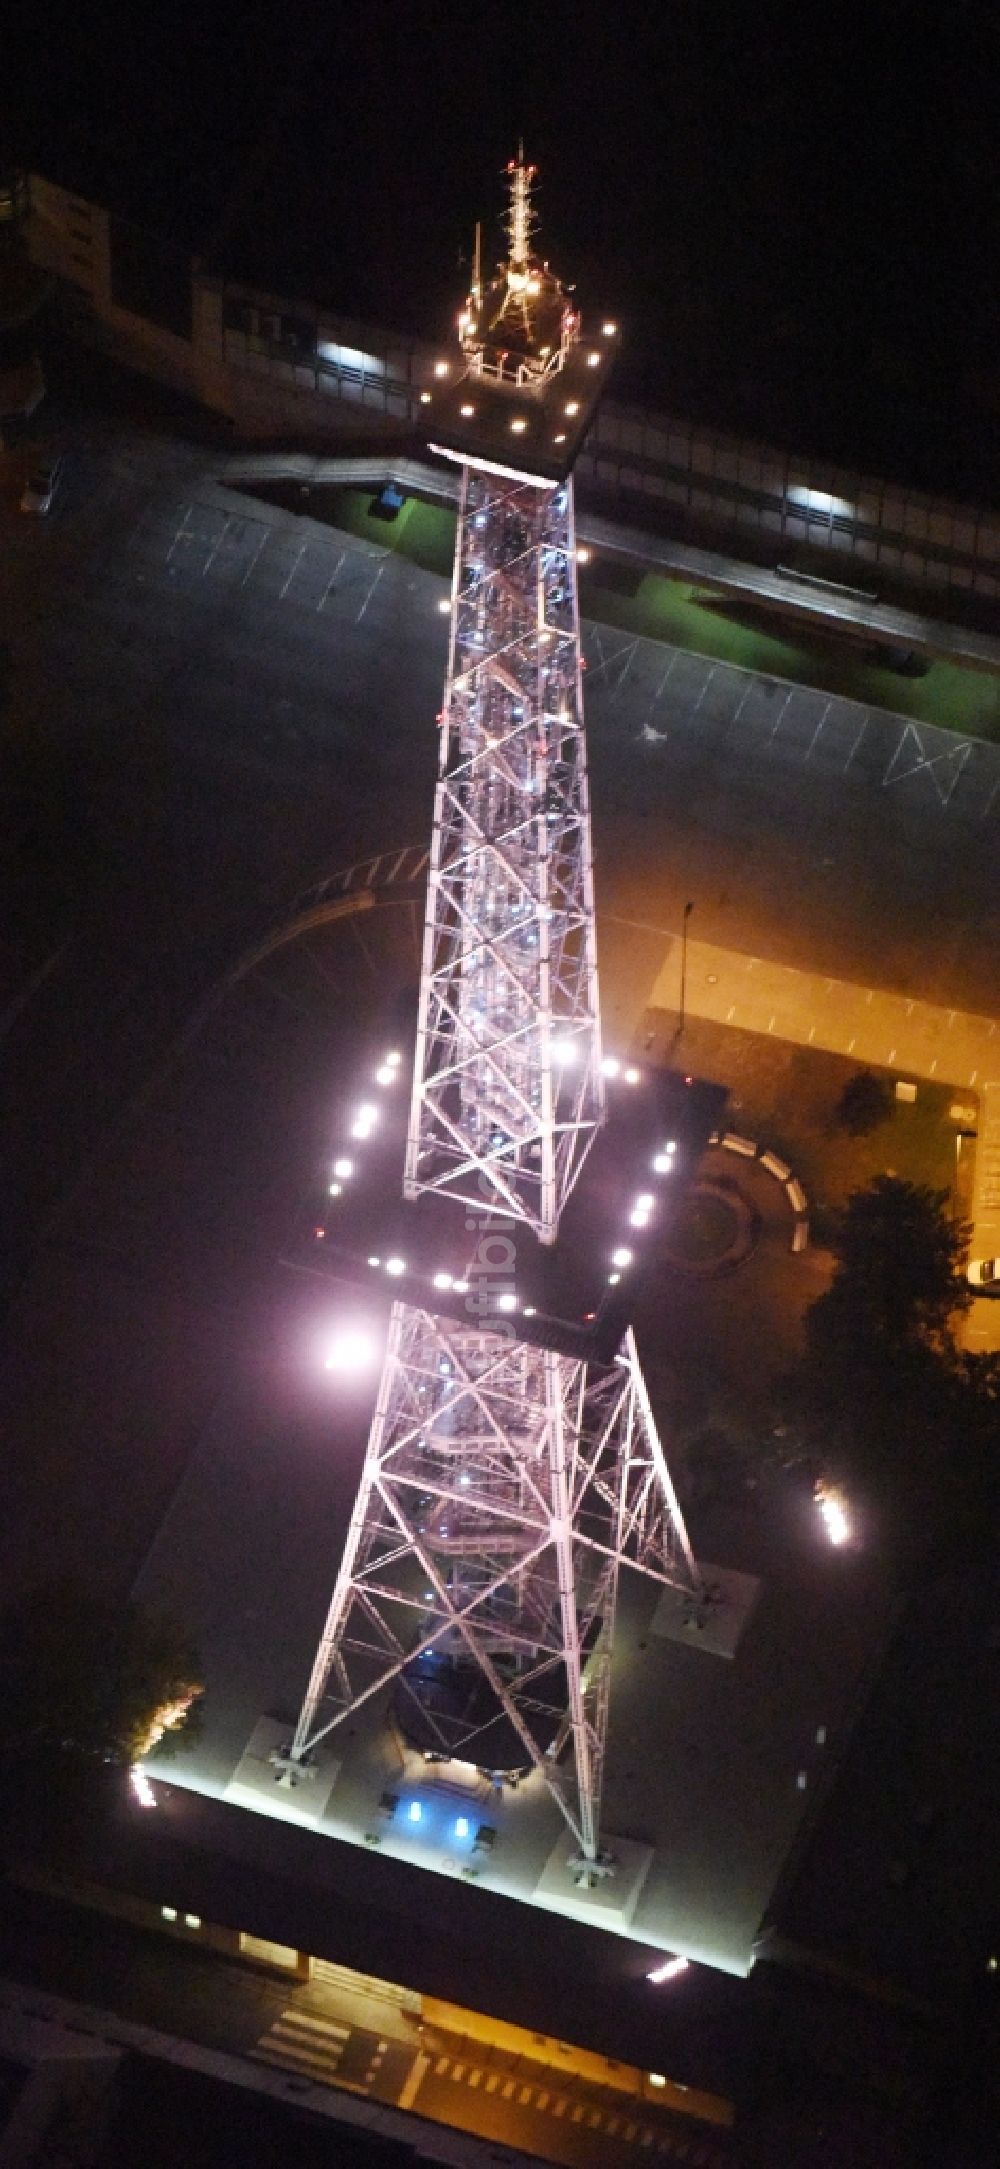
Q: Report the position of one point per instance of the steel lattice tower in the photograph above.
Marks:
(506, 1480)
(507, 1088)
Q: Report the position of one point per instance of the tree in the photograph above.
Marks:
(86, 1679)
(882, 1399)
(899, 1281)
(863, 1104)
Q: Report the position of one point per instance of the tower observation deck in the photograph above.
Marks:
(511, 1470)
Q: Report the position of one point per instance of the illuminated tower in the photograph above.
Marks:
(507, 1089)
(513, 1463)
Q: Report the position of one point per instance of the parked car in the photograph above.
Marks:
(42, 484)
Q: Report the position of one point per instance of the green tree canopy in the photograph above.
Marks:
(863, 1104)
(899, 1281)
(85, 1678)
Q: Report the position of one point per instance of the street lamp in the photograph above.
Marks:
(688, 909)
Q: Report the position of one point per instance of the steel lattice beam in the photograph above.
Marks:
(507, 1084)
(504, 1486)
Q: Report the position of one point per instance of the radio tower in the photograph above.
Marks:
(513, 1465)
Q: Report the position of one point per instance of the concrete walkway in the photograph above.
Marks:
(871, 1025)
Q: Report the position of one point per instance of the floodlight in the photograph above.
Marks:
(351, 1350)
(395, 1266)
(415, 1812)
(621, 1257)
(669, 1971)
(343, 1169)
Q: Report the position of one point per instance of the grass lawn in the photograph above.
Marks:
(741, 631)
(731, 629)
(786, 1097)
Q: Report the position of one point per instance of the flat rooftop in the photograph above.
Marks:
(713, 1760)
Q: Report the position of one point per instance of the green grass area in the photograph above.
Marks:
(729, 629)
(425, 534)
(741, 631)
(786, 1097)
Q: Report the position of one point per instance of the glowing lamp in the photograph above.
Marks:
(621, 1257)
(425, 399)
(462, 1826)
(593, 361)
(415, 1812)
(669, 1971)
(572, 406)
(343, 1169)
(609, 330)
(351, 1351)
(468, 412)
(610, 1066)
(440, 368)
(395, 1266)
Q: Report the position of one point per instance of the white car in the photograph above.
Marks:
(984, 1275)
(42, 484)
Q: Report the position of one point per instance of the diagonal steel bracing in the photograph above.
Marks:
(507, 1086)
(504, 1486)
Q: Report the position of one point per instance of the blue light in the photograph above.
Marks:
(462, 1827)
(415, 1811)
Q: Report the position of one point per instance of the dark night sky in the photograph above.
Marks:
(793, 208)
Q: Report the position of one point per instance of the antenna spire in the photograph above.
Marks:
(519, 218)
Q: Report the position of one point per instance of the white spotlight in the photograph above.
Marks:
(610, 1066)
(833, 1507)
(395, 1266)
(442, 1280)
(506, 1302)
(141, 1786)
(669, 1971)
(364, 1121)
(621, 1257)
(632, 1076)
(351, 1350)
(343, 1169)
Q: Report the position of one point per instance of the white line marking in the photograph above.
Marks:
(294, 570)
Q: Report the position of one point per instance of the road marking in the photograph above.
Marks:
(370, 593)
(262, 544)
(179, 534)
(220, 538)
(329, 584)
(317, 2025)
(294, 569)
(414, 2079)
